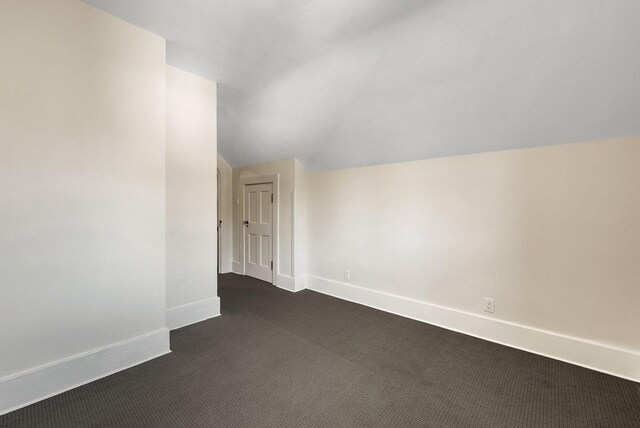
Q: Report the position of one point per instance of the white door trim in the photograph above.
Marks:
(261, 179)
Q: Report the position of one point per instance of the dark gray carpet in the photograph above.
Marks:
(278, 359)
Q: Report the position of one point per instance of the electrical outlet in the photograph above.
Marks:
(347, 275)
(489, 305)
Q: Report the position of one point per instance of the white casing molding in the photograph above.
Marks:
(289, 283)
(624, 363)
(183, 315)
(30, 386)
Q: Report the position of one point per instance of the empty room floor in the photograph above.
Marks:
(279, 359)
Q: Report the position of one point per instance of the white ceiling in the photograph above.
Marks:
(342, 83)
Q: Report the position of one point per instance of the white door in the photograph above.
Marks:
(258, 234)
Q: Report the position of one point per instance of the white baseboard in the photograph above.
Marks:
(30, 386)
(292, 284)
(236, 268)
(598, 356)
(183, 315)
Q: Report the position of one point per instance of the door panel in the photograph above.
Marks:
(258, 231)
(265, 207)
(253, 206)
(265, 251)
(252, 248)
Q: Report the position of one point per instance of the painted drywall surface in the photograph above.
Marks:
(226, 215)
(552, 233)
(191, 188)
(300, 222)
(341, 84)
(286, 173)
(82, 147)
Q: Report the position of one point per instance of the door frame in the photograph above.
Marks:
(260, 179)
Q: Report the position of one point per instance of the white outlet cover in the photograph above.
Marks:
(489, 305)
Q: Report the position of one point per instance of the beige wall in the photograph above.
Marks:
(191, 190)
(82, 149)
(300, 222)
(552, 233)
(226, 215)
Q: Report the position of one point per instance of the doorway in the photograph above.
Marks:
(258, 208)
(258, 231)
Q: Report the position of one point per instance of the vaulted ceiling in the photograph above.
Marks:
(342, 83)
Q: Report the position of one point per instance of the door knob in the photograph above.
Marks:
(246, 223)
